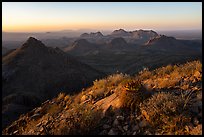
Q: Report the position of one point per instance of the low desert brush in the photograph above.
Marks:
(165, 113)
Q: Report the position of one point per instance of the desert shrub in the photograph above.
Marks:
(60, 96)
(132, 94)
(114, 80)
(161, 72)
(165, 113)
(167, 82)
(54, 109)
(105, 87)
(145, 74)
(82, 120)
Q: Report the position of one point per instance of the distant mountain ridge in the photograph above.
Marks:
(92, 35)
(34, 73)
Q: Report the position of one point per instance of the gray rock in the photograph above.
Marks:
(147, 133)
(143, 123)
(195, 121)
(106, 126)
(44, 122)
(104, 132)
(115, 123)
(120, 118)
(125, 127)
(38, 124)
(129, 132)
(135, 128)
(121, 129)
(41, 129)
(15, 132)
(134, 133)
(112, 132)
(35, 116)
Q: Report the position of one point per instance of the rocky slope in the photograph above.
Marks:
(33, 73)
(166, 101)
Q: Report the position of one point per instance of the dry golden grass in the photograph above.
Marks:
(82, 120)
(165, 113)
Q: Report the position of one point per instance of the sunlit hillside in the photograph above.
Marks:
(164, 101)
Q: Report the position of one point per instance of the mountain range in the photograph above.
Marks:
(33, 73)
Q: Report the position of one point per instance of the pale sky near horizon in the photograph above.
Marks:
(54, 16)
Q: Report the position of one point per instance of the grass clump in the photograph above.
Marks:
(165, 113)
(81, 121)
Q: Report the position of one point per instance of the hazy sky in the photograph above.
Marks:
(51, 16)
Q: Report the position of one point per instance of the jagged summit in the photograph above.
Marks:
(160, 38)
(119, 32)
(33, 42)
(92, 35)
(34, 73)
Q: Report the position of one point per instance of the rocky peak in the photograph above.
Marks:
(92, 35)
(120, 31)
(160, 38)
(33, 42)
(97, 34)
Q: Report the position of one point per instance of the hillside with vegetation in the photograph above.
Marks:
(164, 101)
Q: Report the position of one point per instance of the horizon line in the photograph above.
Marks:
(96, 30)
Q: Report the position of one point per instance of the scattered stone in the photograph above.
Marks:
(38, 124)
(128, 132)
(143, 123)
(135, 128)
(44, 122)
(195, 121)
(30, 132)
(147, 133)
(35, 116)
(157, 133)
(115, 123)
(120, 128)
(125, 127)
(112, 132)
(41, 129)
(15, 132)
(106, 126)
(104, 132)
(139, 117)
(38, 110)
(120, 118)
(134, 133)
(46, 102)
